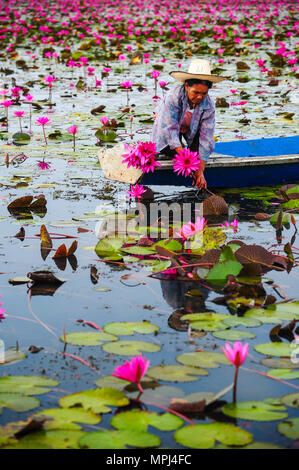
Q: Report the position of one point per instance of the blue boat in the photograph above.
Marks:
(241, 163)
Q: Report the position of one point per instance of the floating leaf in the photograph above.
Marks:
(118, 440)
(95, 400)
(141, 420)
(169, 244)
(255, 410)
(109, 246)
(254, 445)
(21, 137)
(17, 402)
(205, 359)
(139, 250)
(220, 271)
(13, 355)
(274, 349)
(130, 347)
(254, 254)
(281, 363)
(55, 439)
(26, 384)
(207, 321)
(291, 400)
(128, 328)
(233, 335)
(212, 238)
(66, 418)
(20, 203)
(204, 436)
(176, 373)
(244, 321)
(285, 374)
(289, 428)
(285, 220)
(88, 338)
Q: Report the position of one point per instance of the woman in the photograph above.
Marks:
(188, 111)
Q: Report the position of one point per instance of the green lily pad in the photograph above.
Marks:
(253, 445)
(95, 400)
(26, 385)
(88, 338)
(204, 436)
(56, 439)
(109, 246)
(255, 410)
(233, 335)
(130, 347)
(67, 418)
(289, 428)
(208, 321)
(211, 238)
(160, 266)
(141, 420)
(21, 137)
(205, 359)
(286, 219)
(286, 374)
(139, 250)
(118, 440)
(291, 309)
(176, 373)
(110, 381)
(169, 244)
(291, 400)
(268, 316)
(244, 321)
(102, 289)
(12, 356)
(129, 328)
(281, 363)
(106, 136)
(274, 349)
(17, 402)
(220, 271)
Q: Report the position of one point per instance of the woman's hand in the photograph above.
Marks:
(199, 180)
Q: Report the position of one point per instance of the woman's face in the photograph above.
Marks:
(196, 93)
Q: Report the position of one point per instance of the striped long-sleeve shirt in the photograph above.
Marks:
(170, 115)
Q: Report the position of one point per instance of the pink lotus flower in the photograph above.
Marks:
(234, 224)
(136, 191)
(2, 310)
(191, 228)
(19, 113)
(238, 354)
(90, 70)
(6, 103)
(240, 103)
(163, 84)
(106, 70)
(28, 98)
(155, 74)
(43, 165)
(104, 120)
(121, 57)
(50, 79)
(15, 91)
(233, 91)
(127, 84)
(42, 121)
(132, 371)
(185, 162)
(98, 83)
(73, 130)
(3, 92)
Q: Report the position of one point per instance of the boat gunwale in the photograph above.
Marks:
(220, 160)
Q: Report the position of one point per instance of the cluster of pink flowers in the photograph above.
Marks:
(185, 162)
(142, 156)
(233, 224)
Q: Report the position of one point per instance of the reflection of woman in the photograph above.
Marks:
(188, 111)
(174, 292)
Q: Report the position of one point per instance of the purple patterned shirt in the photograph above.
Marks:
(170, 115)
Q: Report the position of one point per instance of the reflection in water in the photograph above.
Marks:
(174, 292)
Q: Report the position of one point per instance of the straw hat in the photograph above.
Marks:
(200, 69)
